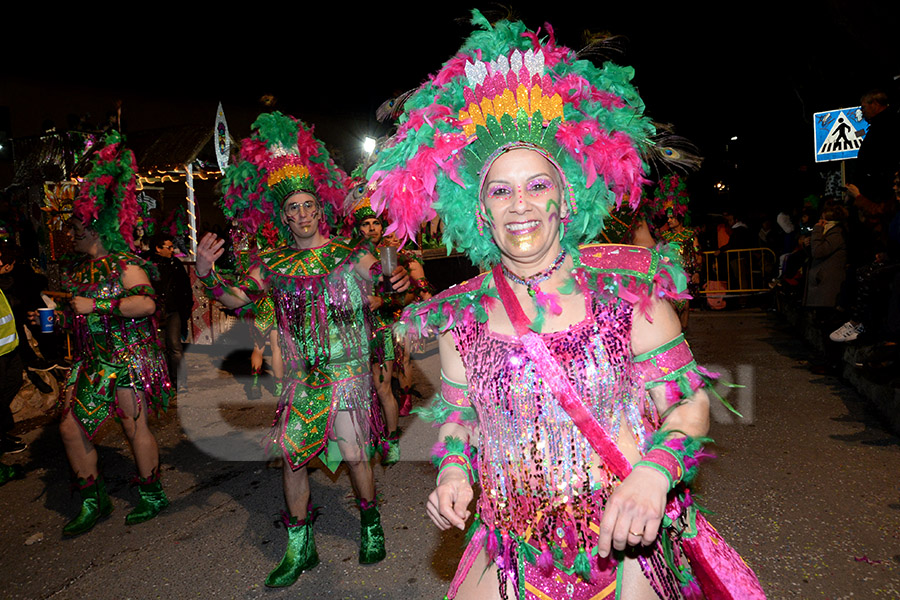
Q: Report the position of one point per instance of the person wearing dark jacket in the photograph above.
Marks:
(174, 301)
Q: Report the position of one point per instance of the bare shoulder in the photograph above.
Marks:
(659, 325)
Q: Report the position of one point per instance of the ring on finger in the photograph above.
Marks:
(639, 534)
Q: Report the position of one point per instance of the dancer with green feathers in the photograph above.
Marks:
(286, 188)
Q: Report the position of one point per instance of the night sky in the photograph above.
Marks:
(714, 71)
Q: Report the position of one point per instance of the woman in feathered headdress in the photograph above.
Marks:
(120, 371)
(576, 434)
(286, 188)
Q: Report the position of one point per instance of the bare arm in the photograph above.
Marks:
(634, 512)
(691, 417)
(448, 504)
(132, 306)
(209, 249)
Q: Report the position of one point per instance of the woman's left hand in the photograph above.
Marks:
(634, 511)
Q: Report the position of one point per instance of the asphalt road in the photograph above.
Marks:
(807, 488)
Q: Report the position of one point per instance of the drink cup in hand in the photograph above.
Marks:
(45, 319)
(388, 256)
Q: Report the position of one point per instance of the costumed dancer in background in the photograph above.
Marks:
(261, 317)
(120, 369)
(262, 326)
(568, 392)
(286, 180)
(670, 204)
(386, 305)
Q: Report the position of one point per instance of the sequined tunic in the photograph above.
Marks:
(113, 351)
(543, 489)
(322, 315)
(534, 463)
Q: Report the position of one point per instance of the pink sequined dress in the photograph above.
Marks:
(543, 489)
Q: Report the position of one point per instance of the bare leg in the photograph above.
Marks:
(79, 450)
(634, 584)
(382, 379)
(351, 441)
(405, 376)
(277, 363)
(137, 430)
(481, 584)
(296, 490)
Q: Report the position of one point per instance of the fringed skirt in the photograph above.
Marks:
(334, 410)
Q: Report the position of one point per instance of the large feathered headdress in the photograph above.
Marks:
(509, 87)
(106, 201)
(281, 157)
(670, 199)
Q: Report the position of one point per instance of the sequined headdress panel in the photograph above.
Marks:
(509, 87)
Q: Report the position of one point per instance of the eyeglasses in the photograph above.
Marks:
(307, 206)
(167, 247)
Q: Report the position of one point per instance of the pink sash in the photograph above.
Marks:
(719, 569)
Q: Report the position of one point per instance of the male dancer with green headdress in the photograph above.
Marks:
(120, 370)
(317, 284)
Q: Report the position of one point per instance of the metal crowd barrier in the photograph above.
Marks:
(736, 272)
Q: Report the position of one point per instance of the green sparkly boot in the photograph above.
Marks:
(390, 448)
(279, 387)
(300, 555)
(95, 505)
(10, 472)
(371, 535)
(152, 499)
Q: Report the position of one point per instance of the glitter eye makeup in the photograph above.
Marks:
(540, 185)
(499, 191)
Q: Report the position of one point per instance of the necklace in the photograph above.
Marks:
(533, 282)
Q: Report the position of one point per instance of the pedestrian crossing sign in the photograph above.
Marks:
(839, 133)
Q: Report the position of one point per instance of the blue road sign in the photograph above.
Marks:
(839, 133)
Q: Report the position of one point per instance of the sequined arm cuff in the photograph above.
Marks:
(107, 307)
(450, 405)
(675, 457)
(214, 285)
(452, 452)
(672, 365)
(140, 290)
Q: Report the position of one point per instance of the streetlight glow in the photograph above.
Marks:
(368, 145)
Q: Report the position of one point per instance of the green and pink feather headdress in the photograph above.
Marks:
(106, 201)
(281, 157)
(507, 87)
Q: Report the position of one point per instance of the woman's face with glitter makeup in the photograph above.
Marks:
(521, 196)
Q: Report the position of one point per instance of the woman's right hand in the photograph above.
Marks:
(209, 249)
(448, 504)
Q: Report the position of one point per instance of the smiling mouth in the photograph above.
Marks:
(522, 228)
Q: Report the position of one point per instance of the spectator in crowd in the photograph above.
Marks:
(827, 269)
(11, 367)
(877, 286)
(174, 303)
